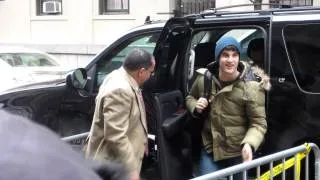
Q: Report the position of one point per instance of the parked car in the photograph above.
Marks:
(181, 46)
(21, 66)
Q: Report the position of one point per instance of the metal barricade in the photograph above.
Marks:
(77, 141)
(85, 135)
(75, 137)
(295, 155)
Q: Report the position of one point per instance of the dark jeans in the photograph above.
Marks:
(208, 165)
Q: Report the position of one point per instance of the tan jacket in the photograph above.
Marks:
(119, 131)
(236, 115)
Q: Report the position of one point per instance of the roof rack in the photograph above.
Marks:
(254, 4)
(149, 21)
(281, 8)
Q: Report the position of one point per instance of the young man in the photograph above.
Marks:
(119, 131)
(236, 120)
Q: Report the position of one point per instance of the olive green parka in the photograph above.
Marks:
(237, 111)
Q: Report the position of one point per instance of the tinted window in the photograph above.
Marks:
(115, 59)
(304, 53)
(199, 37)
(204, 49)
(244, 36)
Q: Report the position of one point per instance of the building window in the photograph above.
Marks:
(195, 6)
(48, 7)
(113, 7)
(292, 2)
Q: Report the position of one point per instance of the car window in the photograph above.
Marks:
(200, 37)
(244, 36)
(240, 34)
(27, 59)
(114, 60)
(4, 64)
(304, 52)
(204, 46)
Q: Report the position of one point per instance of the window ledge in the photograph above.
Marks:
(114, 17)
(49, 18)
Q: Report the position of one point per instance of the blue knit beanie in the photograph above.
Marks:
(223, 43)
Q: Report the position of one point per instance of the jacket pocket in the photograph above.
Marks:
(234, 136)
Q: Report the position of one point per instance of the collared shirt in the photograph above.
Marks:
(139, 92)
(133, 82)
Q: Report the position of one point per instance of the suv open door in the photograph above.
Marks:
(175, 61)
(173, 151)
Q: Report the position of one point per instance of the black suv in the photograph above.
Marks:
(291, 39)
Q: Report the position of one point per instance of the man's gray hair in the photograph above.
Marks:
(136, 59)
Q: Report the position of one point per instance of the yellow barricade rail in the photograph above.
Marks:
(286, 165)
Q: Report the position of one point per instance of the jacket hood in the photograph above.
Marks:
(265, 79)
(248, 72)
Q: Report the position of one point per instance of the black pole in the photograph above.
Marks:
(257, 4)
(178, 9)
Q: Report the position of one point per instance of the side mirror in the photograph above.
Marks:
(77, 79)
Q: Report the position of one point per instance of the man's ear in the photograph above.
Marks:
(140, 71)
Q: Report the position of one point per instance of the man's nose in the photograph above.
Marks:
(229, 58)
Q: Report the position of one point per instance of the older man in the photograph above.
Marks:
(119, 131)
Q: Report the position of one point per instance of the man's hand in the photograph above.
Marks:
(202, 103)
(246, 153)
(134, 175)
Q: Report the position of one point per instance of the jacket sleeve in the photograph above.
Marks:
(116, 110)
(255, 110)
(194, 95)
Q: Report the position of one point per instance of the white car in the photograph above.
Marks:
(21, 66)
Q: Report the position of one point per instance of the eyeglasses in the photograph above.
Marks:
(151, 72)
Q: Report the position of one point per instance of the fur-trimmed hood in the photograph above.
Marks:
(265, 79)
(248, 72)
